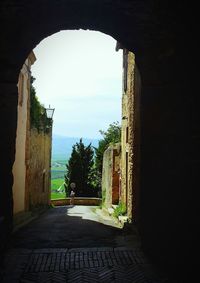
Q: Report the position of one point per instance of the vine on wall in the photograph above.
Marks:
(38, 115)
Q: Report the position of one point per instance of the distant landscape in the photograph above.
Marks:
(61, 152)
(62, 146)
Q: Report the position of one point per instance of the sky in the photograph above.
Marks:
(79, 73)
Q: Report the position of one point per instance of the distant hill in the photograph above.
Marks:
(62, 146)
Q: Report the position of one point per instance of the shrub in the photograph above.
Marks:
(120, 210)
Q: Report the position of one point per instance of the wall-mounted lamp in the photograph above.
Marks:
(49, 112)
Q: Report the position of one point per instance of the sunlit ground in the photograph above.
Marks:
(93, 213)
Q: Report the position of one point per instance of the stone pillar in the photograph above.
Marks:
(8, 120)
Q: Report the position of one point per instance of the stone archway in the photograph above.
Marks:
(27, 25)
(156, 33)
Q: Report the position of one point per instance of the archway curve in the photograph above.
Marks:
(159, 34)
(41, 21)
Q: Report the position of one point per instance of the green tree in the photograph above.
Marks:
(80, 170)
(111, 136)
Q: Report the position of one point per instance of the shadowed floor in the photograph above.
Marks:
(72, 226)
(77, 244)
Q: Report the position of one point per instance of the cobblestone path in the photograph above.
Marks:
(78, 265)
(113, 259)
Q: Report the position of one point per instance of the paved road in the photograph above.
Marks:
(72, 227)
(75, 244)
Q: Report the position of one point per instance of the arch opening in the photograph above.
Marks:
(39, 178)
(166, 93)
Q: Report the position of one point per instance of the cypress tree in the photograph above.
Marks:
(80, 170)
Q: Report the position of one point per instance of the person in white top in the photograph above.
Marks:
(72, 193)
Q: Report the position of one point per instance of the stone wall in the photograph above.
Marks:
(110, 175)
(77, 201)
(116, 174)
(38, 169)
(107, 177)
(130, 147)
(22, 141)
(33, 155)
(136, 144)
(19, 167)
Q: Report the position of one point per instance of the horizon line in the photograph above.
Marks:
(75, 137)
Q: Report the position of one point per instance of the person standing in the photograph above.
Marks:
(72, 193)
